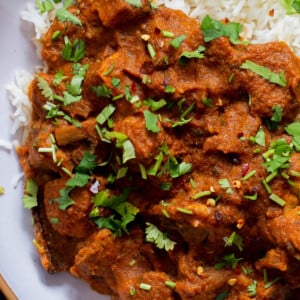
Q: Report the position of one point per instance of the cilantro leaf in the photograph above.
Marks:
(234, 239)
(45, 88)
(159, 238)
(260, 138)
(293, 129)
(277, 156)
(186, 55)
(291, 6)
(110, 223)
(105, 114)
(228, 260)
(74, 87)
(87, 163)
(59, 77)
(136, 3)
(30, 196)
(213, 29)
(151, 121)
(68, 98)
(128, 151)
(176, 42)
(64, 200)
(125, 210)
(73, 51)
(276, 118)
(251, 289)
(155, 105)
(64, 15)
(178, 169)
(277, 78)
(102, 91)
(224, 183)
(79, 180)
(44, 6)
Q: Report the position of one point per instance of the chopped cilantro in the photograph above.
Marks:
(251, 289)
(115, 82)
(30, 195)
(213, 29)
(291, 6)
(176, 42)
(277, 199)
(251, 197)
(207, 102)
(155, 105)
(145, 286)
(64, 200)
(54, 221)
(105, 114)
(102, 91)
(222, 296)
(293, 129)
(74, 87)
(87, 163)
(178, 169)
(224, 183)
(159, 238)
(277, 114)
(154, 169)
(182, 119)
(136, 3)
(79, 180)
(228, 260)
(186, 55)
(126, 211)
(73, 51)
(128, 151)
(170, 284)
(64, 15)
(45, 88)
(151, 50)
(59, 77)
(278, 156)
(168, 34)
(170, 89)
(260, 137)
(277, 78)
(44, 6)
(151, 120)
(234, 239)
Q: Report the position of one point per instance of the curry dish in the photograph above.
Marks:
(163, 155)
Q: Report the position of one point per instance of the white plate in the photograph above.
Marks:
(19, 262)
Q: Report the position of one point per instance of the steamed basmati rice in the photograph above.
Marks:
(263, 21)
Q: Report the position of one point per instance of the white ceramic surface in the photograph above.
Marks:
(19, 262)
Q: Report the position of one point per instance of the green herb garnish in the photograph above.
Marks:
(151, 120)
(213, 29)
(159, 238)
(30, 196)
(277, 78)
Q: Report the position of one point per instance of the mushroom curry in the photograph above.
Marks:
(163, 159)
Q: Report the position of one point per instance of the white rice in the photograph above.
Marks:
(260, 26)
(17, 95)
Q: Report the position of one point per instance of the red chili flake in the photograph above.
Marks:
(271, 12)
(245, 169)
(133, 87)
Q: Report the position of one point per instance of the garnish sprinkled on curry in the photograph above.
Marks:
(163, 159)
